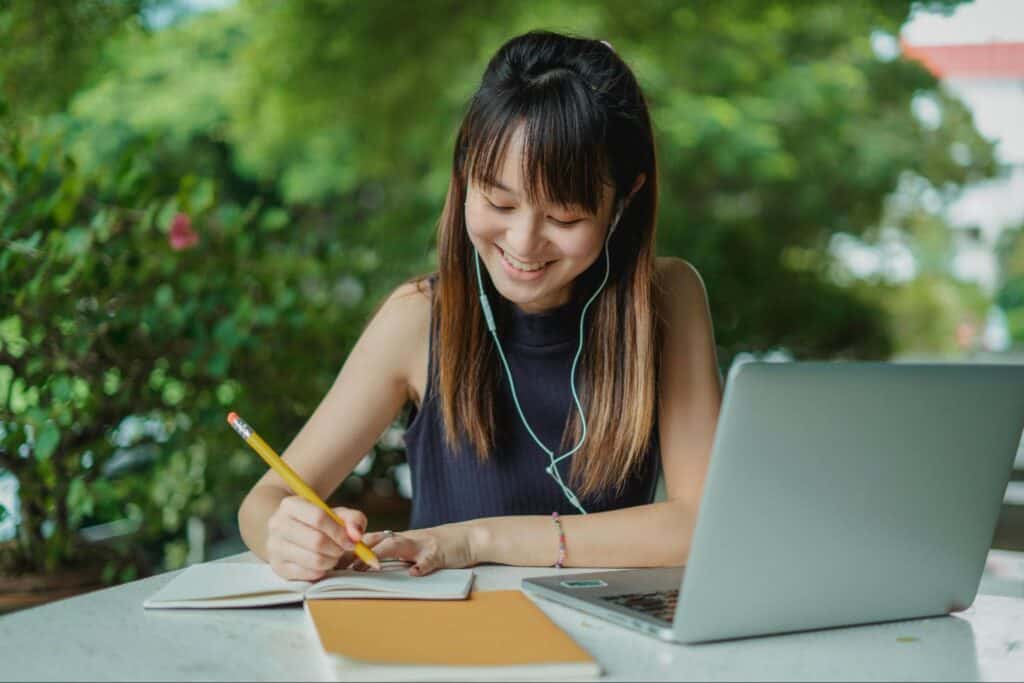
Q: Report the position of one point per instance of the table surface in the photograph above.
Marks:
(107, 635)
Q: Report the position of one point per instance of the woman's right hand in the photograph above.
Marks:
(304, 543)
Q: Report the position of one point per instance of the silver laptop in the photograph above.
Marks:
(837, 494)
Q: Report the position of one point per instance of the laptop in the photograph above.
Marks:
(837, 494)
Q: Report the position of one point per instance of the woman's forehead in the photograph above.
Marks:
(514, 171)
(531, 160)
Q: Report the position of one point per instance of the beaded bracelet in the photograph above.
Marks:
(561, 540)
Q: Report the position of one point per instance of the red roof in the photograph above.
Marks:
(991, 60)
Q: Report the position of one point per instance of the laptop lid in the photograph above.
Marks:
(847, 493)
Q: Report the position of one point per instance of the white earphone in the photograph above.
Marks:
(618, 214)
(485, 304)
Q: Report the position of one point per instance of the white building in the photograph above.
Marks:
(989, 78)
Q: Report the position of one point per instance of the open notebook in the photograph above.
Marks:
(493, 634)
(238, 584)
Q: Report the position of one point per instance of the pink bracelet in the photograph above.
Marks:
(561, 541)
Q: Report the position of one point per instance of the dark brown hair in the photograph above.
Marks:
(582, 110)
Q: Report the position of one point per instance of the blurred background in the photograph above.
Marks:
(201, 203)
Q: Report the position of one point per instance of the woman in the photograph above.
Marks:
(553, 361)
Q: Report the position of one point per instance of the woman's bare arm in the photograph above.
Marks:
(365, 398)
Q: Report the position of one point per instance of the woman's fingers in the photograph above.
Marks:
(427, 550)
(287, 551)
(421, 550)
(428, 560)
(355, 522)
(295, 572)
(304, 542)
(303, 511)
(373, 538)
(396, 547)
(312, 539)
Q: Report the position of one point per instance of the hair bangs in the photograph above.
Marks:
(563, 160)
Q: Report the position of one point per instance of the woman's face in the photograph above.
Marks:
(533, 253)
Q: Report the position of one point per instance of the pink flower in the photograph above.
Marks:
(182, 235)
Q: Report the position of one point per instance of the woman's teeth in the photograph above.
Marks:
(520, 265)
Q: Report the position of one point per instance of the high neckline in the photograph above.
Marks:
(557, 325)
(548, 328)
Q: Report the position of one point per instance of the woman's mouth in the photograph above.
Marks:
(521, 269)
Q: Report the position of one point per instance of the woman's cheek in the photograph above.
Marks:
(479, 228)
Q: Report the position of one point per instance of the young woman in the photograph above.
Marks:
(539, 441)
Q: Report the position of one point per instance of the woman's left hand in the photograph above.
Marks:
(439, 547)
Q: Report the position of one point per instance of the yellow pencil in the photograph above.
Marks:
(293, 480)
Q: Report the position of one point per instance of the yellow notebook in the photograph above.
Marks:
(492, 634)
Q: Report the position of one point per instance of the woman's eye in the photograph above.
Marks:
(498, 207)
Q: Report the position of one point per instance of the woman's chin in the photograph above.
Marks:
(528, 298)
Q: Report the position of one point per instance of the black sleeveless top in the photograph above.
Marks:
(455, 486)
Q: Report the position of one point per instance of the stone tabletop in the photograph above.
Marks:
(107, 635)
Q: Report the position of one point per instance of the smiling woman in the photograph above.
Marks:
(520, 242)
(558, 132)
(545, 250)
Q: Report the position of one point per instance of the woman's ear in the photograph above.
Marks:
(621, 205)
(640, 180)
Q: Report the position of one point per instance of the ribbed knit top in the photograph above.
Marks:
(455, 486)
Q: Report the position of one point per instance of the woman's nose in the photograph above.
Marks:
(524, 236)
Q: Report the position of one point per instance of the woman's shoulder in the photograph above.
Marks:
(406, 314)
(406, 311)
(676, 278)
(412, 294)
(681, 300)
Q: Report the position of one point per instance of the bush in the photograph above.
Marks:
(132, 318)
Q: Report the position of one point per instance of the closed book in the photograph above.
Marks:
(493, 634)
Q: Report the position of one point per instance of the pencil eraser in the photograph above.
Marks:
(232, 416)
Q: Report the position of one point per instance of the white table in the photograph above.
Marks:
(107, 635)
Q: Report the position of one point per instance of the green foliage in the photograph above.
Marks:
(307, 148)
(923, 315)
(55, 43)
(777, 126)
(926, 312)
(165, 91)
(1011, 295)
(108, 327)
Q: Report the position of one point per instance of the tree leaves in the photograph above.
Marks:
(47, 441)
(307, 148)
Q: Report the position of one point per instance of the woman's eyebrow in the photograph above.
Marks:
(496, 185)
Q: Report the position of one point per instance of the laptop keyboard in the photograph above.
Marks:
(658, 604)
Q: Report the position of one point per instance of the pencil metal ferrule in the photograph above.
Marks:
(239, 425)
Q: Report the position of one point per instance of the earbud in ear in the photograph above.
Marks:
(618, 214)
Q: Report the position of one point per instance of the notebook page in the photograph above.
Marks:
(227, 584)
(393, 581)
